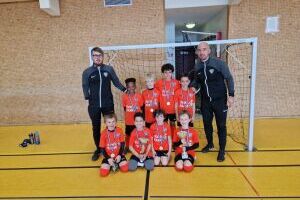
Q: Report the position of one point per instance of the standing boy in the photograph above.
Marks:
(167, 87)
(151, 98)
(132, 103)
(185, 99)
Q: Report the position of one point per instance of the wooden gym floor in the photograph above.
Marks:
(60, 168)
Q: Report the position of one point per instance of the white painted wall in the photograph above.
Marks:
(171, 4)
(218, 23)
(170, 38)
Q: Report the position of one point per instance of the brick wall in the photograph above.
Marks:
(278, 75)
(42, 57)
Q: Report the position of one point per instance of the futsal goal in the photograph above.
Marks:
(240, 55)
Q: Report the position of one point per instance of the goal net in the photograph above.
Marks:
(138, 60)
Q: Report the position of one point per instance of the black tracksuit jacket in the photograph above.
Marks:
(211, 75)
(96, 85)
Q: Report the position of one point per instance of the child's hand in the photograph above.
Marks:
(118, 158)
(193, 89)
(111, 161)
(142, 157)
(169, 154)
(143, 149)
(154, 153)
(183, 141)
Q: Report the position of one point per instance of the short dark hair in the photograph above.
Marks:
(139, 114)
(185, 75)
(158, 112)
(97, 49)
(130, 80)
(167, 67)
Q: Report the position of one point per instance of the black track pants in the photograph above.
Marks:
(217, 108)
(95, 115)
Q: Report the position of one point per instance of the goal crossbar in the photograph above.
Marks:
(166, 45)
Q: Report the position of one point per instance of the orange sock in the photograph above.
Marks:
(188, 168)
(104, 172)
(124, 168)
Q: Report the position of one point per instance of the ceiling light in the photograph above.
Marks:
(190, 25)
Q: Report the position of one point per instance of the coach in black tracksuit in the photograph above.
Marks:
(96, 85)
(215, 80)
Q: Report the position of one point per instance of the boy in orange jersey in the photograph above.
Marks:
(151, 98)
(132, 103)
(167, 87)
(185, 99)
(112, 145)
(162, 141)
(140, 145)
(185, 141)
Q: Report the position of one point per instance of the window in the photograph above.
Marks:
(110, 3)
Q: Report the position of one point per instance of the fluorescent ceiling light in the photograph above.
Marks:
(190, 25)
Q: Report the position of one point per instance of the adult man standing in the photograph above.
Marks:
(215, 80)
(96, 85)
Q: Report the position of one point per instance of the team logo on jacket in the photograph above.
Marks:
(105, 74)
(211, 71)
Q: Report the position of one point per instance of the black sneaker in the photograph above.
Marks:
(207, 148)
(221, 156)
(96, 155)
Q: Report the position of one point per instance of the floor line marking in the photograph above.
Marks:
(245, 177)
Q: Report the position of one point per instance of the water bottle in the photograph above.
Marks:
(37, 138)
(31, 138)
